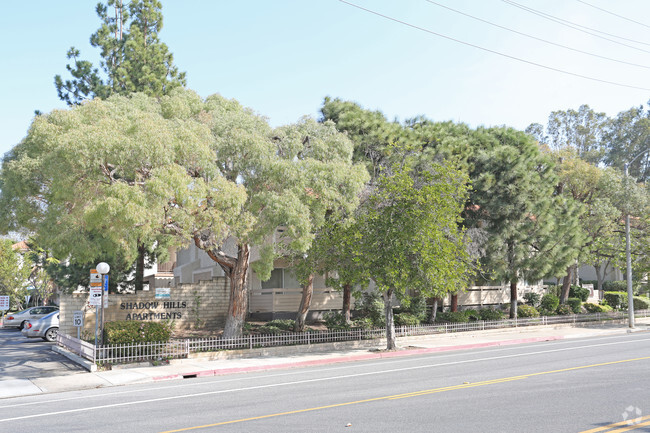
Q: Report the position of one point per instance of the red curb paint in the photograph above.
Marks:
(363, 357)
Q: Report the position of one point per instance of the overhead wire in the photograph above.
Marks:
(537, 38)
(615, 14)
(490, 50)
(579, 27)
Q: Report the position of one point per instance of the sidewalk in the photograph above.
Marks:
(298, 356)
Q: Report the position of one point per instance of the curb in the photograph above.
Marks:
(88, 365)
(351, 358)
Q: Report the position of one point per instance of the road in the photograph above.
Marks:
(578, 385)
(22, 358)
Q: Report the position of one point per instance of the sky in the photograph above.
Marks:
(403, 57)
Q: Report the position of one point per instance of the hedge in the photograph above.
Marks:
(527, 311)
(641, 303)
(130, 332)
(452, 316)
(615, 286)
(549, 302)
(616, 300)
(579, 292)
(575, 304)
(595, 308)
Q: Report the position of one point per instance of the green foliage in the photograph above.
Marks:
(596, 308)
(545, 312)
(579, 292)
(370, 306)
(491, 314)
(615, 286)
(452, 317)
(335, 320)
(532, 298)
(525, 311)
(575, 304)
(130, 332)
(365, 323)
(13, 276)
(641, 303)
(564, 310)
(415, 306)
(549, 302)
(283, 324)
(554, 290)
(616, 300)
(472, 314)
(406, 319)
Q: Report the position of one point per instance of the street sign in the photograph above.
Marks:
(77, 318)
(106, 291)
(95, 295)
(4, 302)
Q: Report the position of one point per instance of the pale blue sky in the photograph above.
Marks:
(282, 57)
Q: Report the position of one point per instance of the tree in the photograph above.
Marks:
(147, 170)
(628, 137)
(133, 58)
(531, 232)
(411, 237)
(13, 275)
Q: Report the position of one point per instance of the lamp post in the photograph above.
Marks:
(103, 269)
(628, 254)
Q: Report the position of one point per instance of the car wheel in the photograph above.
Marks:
(50, 335)
(22, 325)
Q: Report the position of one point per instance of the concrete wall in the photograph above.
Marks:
(202, 305)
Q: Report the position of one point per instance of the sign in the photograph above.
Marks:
(77, 318)
(163, 293)
(95, 277)
(106, 291)
(4, 302)
(96, 288)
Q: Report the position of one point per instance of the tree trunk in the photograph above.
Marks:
(391, 343)
(238, 305)
(434, 311)
(347, 298)
(513, 299)
(599, 280)
(454, 302)
(139, 267)
(566, 285)
(305, 303)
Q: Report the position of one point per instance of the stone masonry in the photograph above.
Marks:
(202, 305)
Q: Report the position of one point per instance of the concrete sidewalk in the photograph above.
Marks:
(300, 356)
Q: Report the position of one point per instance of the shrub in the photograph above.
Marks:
(371, 306)
(283, 324)
(532, 298)
(452, 316)
(575, 304)
(549, 302)
(415, 306)
(527, 311)
(579, 292)
(564, 310)
(595, 308)
(335, 320)
(490, 314)
(641, 303)
(554, 290)
(363, 323)
(545, 312)
(406, 319)
(615, 286)
(130, 332)
(472, 314)
(616, 300)
(270, 329)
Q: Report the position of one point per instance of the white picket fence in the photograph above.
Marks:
(175, 349)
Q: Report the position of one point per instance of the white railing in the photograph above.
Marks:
(182, 348)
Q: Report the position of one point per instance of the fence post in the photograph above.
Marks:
(445, 327)
(308, 339)
(250, 341)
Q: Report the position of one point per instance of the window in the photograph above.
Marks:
(276, 281)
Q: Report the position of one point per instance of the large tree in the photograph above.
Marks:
(13, 273)
(207, 171)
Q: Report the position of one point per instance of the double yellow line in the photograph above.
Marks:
(624, 425)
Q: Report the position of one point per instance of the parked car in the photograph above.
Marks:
(17, 320)
(46, 327)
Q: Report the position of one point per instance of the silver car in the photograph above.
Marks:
(17, 320)
(45, 327)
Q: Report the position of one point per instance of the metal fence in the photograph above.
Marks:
(182, 348)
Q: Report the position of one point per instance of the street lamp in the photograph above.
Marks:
(102, 268)
(628, 255)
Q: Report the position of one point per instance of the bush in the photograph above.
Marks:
(371, 306)
(615, 286)
(575, 304)
(283, 324)
(415, 306)
(472, 314)
(616, 300)
(595, 308)
(335, 320)
(406, 319)
(564, 310)
(452, 316)
(554, 290)
(130, 332)
(549, 302)
(579, 292)
(641, 303)
(532, 298)
(545, 312)
(363, 323)
(527, 311)
(490, 314)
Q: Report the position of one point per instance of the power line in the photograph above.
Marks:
(538, 39)
(578, 27)
(492, 51)
(612, 13)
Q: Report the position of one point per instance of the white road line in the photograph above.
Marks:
(322, 379)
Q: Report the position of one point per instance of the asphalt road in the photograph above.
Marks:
(561, 386)
(22, 358)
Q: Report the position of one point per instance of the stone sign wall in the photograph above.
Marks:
(203, 305)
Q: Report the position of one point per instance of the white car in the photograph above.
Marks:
(17, 320)
(46, 327)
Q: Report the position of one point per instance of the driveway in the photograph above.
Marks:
(26, 358)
